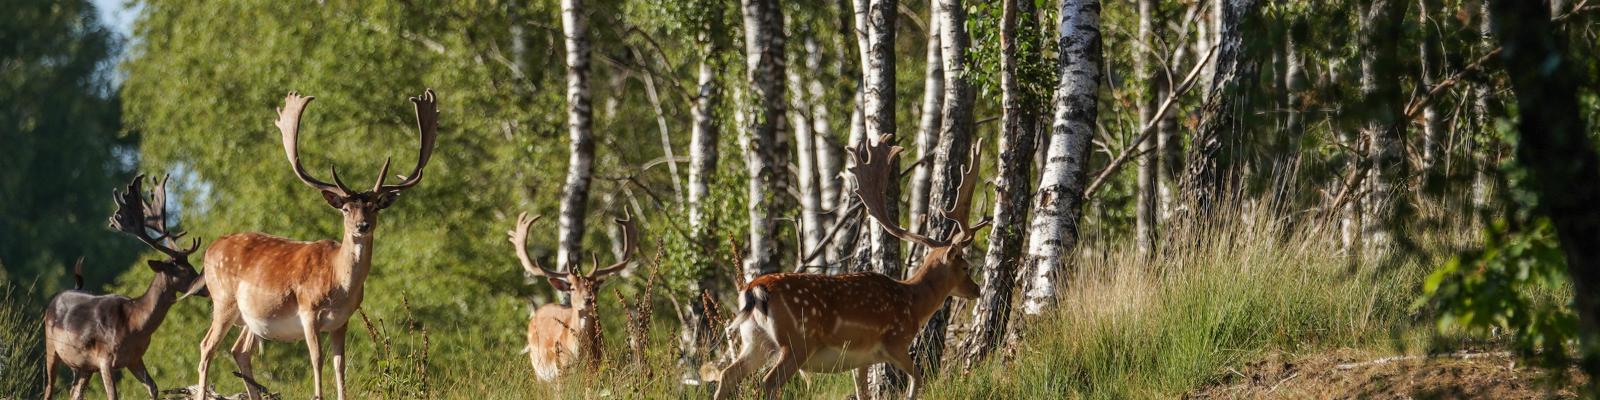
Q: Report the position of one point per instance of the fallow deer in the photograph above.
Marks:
(288, 290)
(101, 333)
(835, 323)
(559, 335)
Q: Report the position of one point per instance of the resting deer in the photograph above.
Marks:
(835, 323)
(559, 334)
(289, 290)
(101, 333)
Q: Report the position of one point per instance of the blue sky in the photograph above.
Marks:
(118, 15)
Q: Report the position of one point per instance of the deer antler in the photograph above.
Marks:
(427, 125)
(630, 243)
(519, 238)
(137, 217)
(962, 209)
(873, 173)
(289, 124)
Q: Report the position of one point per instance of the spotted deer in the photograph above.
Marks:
(102, 333)
(559, 335)
(289, 290)
(836, 323)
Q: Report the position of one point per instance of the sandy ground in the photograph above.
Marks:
(1350, 374)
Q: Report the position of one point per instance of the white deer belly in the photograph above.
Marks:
(837, 359)
(284, 328)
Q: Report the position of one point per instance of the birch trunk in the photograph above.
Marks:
(767, 156)
(822, 132)
(811, 228)
(1016, 148)
(1427, 57)
(1054, 232)
(1483, 108)
(580, 165)
(1149, 159)
(951, 157)
(928, 126)
(1221, 115)
(696, 334)
(1380, 26)
(879, 111)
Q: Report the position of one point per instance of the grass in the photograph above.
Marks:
(1127, 327)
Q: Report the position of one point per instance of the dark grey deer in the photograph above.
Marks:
(101, 333)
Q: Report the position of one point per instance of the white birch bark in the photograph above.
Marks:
(580, 165)
(1054, 232)
(766, 157)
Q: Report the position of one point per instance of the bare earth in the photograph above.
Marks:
(1351, 374)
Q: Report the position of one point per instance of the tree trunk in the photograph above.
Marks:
(1428, 58)
(1016, 147)
(879, 111)
(767, 158)
(1149, 159)
(1222, 114)
(1483, 108)
(928, 126)
(822, 133)
(1380, 25)
(852, 240)
(580, 165)
(951, 157)
(696, 335)
(811, 226)
(1554, 143)
(1294, 83)
(1054, 232)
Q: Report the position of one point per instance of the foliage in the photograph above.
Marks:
(1515, 283)
(21, 344)
(61, 125)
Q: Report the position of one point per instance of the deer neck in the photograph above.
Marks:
(146, 312)
(587, 331)
(931, 284)
(353, 260)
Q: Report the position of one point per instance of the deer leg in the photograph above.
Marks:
(144, 377)
(313, 345)
(108, 380)
(753, 355)
(788, 363)
(80, 380)
(208, 345)
(902, 360)
(336, 346)
(242, 349)
(50, 360)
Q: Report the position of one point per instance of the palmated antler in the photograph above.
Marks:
(138, 217)
(962, 209)
(427, 106)
(519, 238)
(874, 171)
(289, 124)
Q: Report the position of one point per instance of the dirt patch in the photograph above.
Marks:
(1350, 374)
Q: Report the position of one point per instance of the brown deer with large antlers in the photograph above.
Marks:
(559, 334)
(835, 323)
(289, 290)
(91, 333)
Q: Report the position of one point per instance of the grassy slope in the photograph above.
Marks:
(1127, 328)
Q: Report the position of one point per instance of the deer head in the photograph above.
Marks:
(874, 170)
(138, 217)
(360, 208)
(583, 286)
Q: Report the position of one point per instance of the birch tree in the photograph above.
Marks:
(1149, 159)
(1221, 115)
(766, 157)
(1380, 28)
(951, 157)
(928, 125)
(704, 135)
(580, 165)
(878, 109)
(1019, 122)
(1054, 231)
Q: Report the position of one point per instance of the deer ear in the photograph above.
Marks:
(560, 284)
(156, 265)
(386, 199)
(198, 288)
(334, 200)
